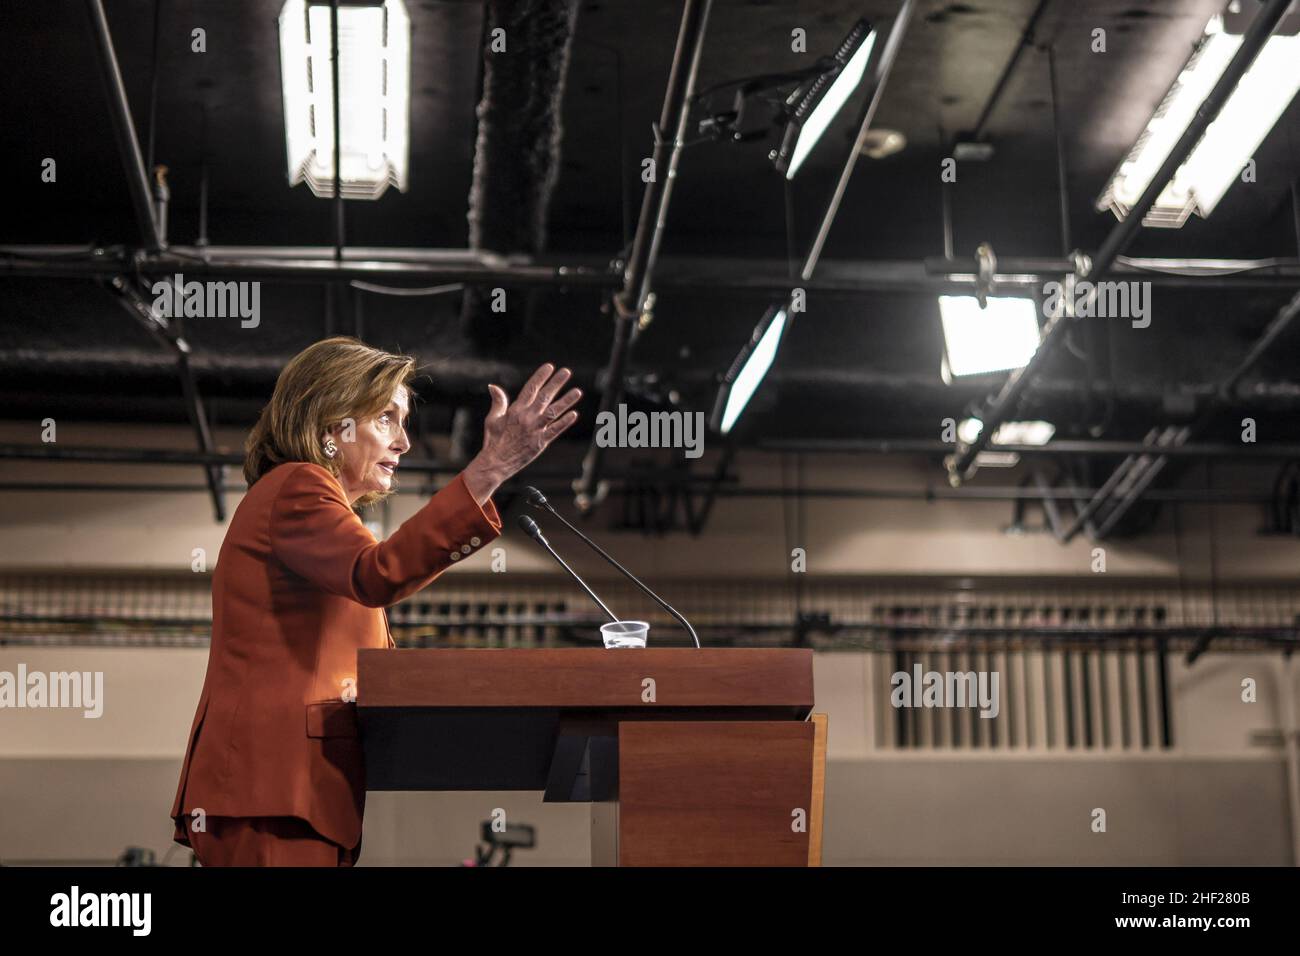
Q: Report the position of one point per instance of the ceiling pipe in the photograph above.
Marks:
(168, 334)
(883, 70)
(517, 149)
(1027, 37)
(139, 380)
(336, 293)
(963, 464)
(632, 304)
(558, 485)
(312, 270)
(1137, 474)
(128, 144)
(1266, 452)
(164, 456)
(336, 118)
(768, 276)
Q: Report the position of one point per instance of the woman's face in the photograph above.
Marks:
(370, 459)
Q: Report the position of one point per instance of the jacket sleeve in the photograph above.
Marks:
(318, 536)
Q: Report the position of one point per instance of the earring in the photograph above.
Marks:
(330, 449)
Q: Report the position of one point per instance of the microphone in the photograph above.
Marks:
(533, 531)
(538, 500)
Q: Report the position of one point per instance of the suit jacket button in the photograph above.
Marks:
(464, 549)
(455, 555)
(475, 541)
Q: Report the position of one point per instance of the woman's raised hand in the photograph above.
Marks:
(515, 433)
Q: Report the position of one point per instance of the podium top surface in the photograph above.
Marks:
(706, 678)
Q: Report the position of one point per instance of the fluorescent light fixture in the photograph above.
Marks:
(1008, 433)
(749, 369)
(994, 339)
(1259, 100)
(972, 151)
(1024, 433)
(374, 96)
(815, 106)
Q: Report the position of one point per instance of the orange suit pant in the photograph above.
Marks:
(266, 841)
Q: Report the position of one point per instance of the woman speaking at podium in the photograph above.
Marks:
(273, 772)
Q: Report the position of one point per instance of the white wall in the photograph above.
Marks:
(73, 788)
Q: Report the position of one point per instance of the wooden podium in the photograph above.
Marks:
(688, 756)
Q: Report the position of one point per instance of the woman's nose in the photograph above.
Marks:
(404, 443)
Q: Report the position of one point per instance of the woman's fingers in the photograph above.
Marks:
(529, 392)
(512, 432)
(555, 428)
(552, 387)
(564, 403)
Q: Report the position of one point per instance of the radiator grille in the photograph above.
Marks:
(1047, 698)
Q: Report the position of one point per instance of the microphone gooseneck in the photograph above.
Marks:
(538, 500)
(533, 531)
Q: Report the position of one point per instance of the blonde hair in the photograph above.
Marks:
(322, 386)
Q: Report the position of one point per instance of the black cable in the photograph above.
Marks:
(90, 250)
(1214, 551)
(769, 80)
(791, 253)
(1286, 498)
(153, 86)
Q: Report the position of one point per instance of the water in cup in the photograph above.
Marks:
(625, 633)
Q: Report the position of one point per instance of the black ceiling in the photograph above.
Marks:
(855, 366)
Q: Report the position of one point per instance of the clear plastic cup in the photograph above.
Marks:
(625, 633)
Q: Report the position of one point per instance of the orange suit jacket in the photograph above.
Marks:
(299, 587)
